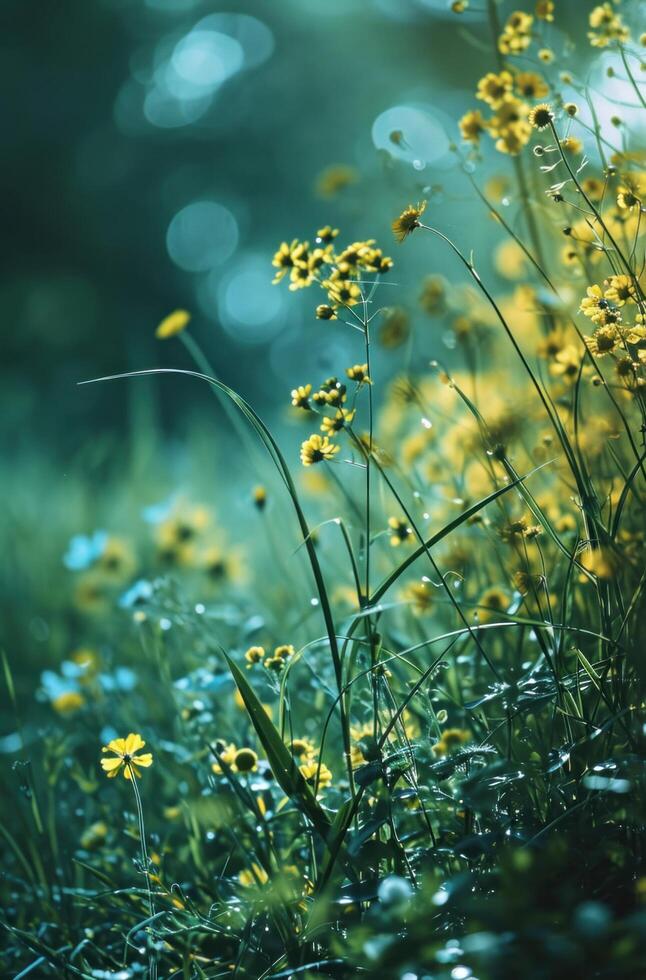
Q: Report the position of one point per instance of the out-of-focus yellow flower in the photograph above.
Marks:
(173, 324)
(68, 703)
(494, 601)
(544, 10)
(516, 35)
(472, 125)
(117, 560)
(606, 26)
(94, 835)
(510, 260)
(531, 85)
(452, 738)
(125, 756)
(400, 531)
(493, 88)
(316, 774)
(253, 876)
(395, 327)
(335, 178)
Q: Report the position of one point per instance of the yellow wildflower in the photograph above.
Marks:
(334, 424)
(408, 221)
(493, 88)
(540, 116)
(471, 125)
(316, 449)
(125, 756)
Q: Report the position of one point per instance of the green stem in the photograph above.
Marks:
(152, 955)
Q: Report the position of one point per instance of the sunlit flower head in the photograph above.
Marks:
(540, 116)
(408, 221)
(125, 757)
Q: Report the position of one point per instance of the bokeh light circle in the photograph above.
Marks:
(249, 307)
(410, 133)
(202, 235)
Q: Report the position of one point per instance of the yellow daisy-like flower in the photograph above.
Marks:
(566, 363)
(125, 756)
(288, 256)
(337, 422)
(493, 88)
(341, 291)
(591, 304)
(301, 396)
(254, 655)
(627, 199)
(603, 341)
(317, 449)
(172, 324)
(408, 221)
(309, 772)
(540, 116)
(531, 85)
(300, 277)
(619, 290)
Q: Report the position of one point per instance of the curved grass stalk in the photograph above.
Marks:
(279, 461)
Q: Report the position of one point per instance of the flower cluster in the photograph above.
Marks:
(606, 26)
(274, 661)
(340, 273)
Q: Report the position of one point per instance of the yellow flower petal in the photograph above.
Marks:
(117, 745)
(109, 764)
(144, 760)
(133, 742)
(173, 324)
